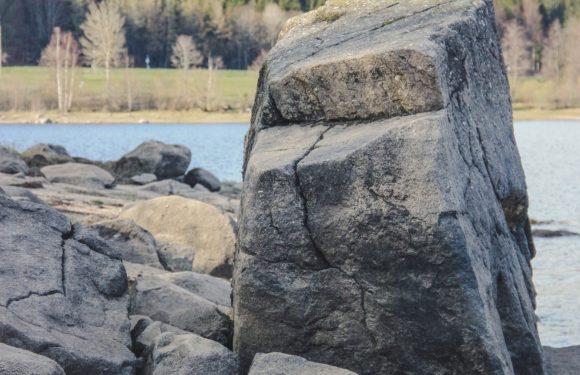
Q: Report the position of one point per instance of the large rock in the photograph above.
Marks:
(283, 364)
(383, 225)
(189, 355)
(11, 163)
(85, 175)
(188, 223)
(60, 297)
(132, 243)
(160, 159)
(15, 361)
(179, 305)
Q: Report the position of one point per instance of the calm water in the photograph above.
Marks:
(551, 157)
(550, 153)
(216, 147)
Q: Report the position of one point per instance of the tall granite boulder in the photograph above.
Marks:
(160, 159)
(383, 224)
(61, 298)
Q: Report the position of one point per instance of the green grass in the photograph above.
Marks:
(34, 89)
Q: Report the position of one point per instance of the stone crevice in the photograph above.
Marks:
(30, 294)
(65, 237)
(318, 251)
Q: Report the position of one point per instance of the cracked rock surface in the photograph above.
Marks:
(383, 226)
(60, 297)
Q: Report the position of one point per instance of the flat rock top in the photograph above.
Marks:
(360, 60)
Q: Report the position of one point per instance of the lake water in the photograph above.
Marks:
(216, 147)
(550, 154)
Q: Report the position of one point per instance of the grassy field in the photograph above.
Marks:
(33, 89)
(175, 96)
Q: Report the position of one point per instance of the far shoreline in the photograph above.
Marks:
(195, 117)
(198, 117)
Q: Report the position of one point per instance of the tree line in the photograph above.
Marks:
(541, 39)
(235, 30)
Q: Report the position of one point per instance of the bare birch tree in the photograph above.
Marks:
(62, 53)
(185, 53)
(554, 53)
(103, 42)
(2, 57)
(213, 64)
(515, 49)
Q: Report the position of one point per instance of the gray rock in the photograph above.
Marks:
(167, 187)
(60, 297)
(21, 194)
(85, 175)
(383, 225)
(41, 155)
(174, 257)
(189, 354)
(145, 331)
(211, 288)
(160, 299)
(132, 243)
(231, 189)
(11, 163)
(15, 361)
(162, 160)
(22, 181)
(204, 178)
(283, 364)
(143, 179)
(551, 233)
(562, 361)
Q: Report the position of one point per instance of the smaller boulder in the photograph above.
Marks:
(172, 353)
(15, 361)
(11, 163)
(85, 175)
(211, 288)
(160, 159)
(143, 179)
(133, 243)
(145, 330)
(204, 178)
(284, 364)
(155, 296)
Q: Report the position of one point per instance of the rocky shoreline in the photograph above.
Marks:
(122, 250)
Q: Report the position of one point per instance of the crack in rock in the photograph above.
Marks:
(30, 294)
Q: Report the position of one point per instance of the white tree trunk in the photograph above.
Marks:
(58, 71)
(66, 77)
(1, 52)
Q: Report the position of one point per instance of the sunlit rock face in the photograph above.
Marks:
(383, 225)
